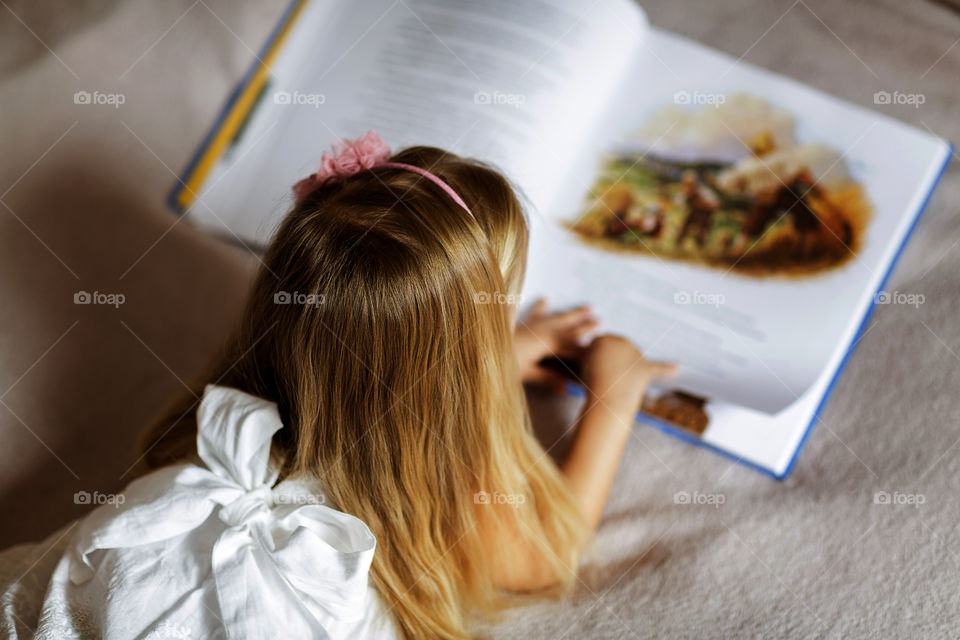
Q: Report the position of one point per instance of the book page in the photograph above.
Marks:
(519, 85)
(659, 248)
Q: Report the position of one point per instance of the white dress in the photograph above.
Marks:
(215, 549)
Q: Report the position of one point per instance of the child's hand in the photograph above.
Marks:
(544, 335)
(616, 373)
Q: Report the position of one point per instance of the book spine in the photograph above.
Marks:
(233, 114)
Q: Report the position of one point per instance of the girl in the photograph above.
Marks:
(371, 397)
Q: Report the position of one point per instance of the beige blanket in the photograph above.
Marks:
(815, 556)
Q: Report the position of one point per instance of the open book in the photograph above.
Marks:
(721, 216)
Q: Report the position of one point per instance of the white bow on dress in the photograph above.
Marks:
(218, 550)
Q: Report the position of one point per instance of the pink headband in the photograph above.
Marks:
(366, 152)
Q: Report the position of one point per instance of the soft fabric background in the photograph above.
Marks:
(82, 191)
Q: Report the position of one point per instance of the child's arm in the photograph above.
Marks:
(616, 376)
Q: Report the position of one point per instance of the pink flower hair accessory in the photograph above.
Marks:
(367, 151)
(348, 158)
(351, 156)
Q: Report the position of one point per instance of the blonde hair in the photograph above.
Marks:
(398, 387)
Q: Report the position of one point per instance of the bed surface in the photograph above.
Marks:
(83, 188)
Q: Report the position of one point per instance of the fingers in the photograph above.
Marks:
(570, 351)
(539, 309)
(663, 369)
(585, 327)
(574, 316)
(563, 330)
(609, 345)
(573, 326)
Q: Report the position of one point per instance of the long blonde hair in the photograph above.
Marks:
(393, 370)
